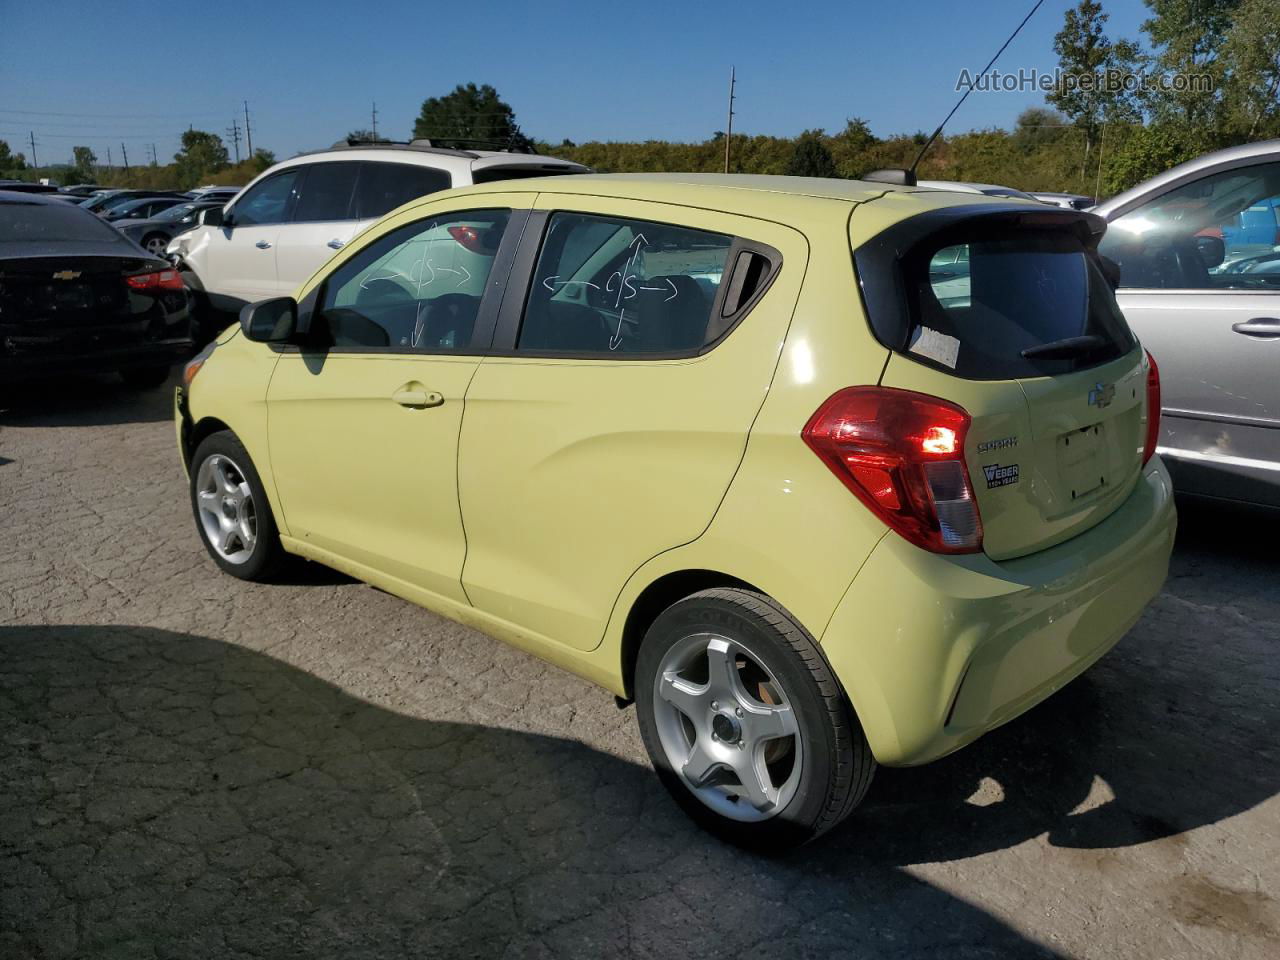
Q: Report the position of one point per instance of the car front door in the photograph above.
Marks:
(1203, 294)
(607, 423)
(241, 255)
(321, 222)
(364, 417)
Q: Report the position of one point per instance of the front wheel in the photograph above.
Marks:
(745, 723)
(231, 509)
(155, 244)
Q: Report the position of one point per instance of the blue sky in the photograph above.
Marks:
(139, 73)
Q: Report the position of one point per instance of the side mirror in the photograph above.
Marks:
(1213, 250)
(212, 217)
(270, 321)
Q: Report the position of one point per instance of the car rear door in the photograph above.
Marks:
(607, 422)
(1056, 439)
(321, 222)
(364, 418)
(1200, 284)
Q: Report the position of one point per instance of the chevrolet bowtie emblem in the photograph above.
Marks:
(1102, 394)
(66, 274)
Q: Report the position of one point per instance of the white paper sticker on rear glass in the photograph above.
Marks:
(935, 346)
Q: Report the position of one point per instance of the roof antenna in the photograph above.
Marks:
(907, 177)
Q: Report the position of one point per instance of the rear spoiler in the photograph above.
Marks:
(507, 161)
(880, 280)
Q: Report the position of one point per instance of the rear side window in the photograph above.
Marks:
(607, 286)
(325, 192)
(385, 186)
(1000, 303)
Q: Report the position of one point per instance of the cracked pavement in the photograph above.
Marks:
(191, 766)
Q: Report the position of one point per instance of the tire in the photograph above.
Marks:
(145, 378)
(221, 467)
(770, 666)
(158, 240)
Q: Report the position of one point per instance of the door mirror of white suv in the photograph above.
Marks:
(213, 217)
(270, 321)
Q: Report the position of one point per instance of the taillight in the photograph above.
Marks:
(159, 280)
(1153, 409)
(902, 454)
(469, 237)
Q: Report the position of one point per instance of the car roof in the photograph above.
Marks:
(18, 196)
(1260, 151)
(441, 158)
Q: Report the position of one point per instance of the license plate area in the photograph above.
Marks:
(1082, 462)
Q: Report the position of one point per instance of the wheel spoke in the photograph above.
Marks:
(722, 670)
(208, 500)
(757, 785)
(691, 699)
(226, 537)
(700, 765)
(768, 722)
(245, 533)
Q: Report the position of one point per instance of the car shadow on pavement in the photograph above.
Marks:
(172, 795)
(85, 401)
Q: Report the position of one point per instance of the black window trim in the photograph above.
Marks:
(520, 288)
(486, 318)
(300, 187)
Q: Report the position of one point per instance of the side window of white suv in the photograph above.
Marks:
(267, 202)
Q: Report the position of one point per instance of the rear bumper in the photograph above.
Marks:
(106, 360)
(935, 651)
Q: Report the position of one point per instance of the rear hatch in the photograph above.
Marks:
(1008, 314)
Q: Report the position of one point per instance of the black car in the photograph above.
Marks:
(77, 295)
(140, 209)
(101, 203)
(154, 234)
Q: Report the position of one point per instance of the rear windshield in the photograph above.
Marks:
(986, 304)
(52, 223)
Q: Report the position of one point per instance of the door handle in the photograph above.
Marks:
(1263, 328)
(263, 244)
(335, 244)
(417, 399)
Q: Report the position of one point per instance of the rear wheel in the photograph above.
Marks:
(231, 509)
(745, 723)
(155, 244)
(145, 378)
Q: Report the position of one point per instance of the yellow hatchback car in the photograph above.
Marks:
(821, 474)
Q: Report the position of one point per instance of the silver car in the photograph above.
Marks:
(1199, 254)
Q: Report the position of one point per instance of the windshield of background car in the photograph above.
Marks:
(1219, 232)
(52, 223)
(178, 212)
(978, 297)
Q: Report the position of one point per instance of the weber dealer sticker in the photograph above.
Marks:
(998, 476)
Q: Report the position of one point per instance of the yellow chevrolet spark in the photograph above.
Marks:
(819, 474)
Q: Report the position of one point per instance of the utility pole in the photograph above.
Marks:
(153, 155)
(125, 154)
(375, 121)
(728, 134)
(234, 136)
(32, 135)
(110, 164)
(248, 137)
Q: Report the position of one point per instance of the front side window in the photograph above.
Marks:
(385, 186)
(609, 286)
(324, 194)
(267, 202)
(1219, 232)
(417, 288)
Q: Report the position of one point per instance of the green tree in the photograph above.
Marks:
(262, 159)
(201, 154)
(811, 158)
(1084, 50)
(1188, 37)
(366, 136)
(1251, 71)
(10, 162)
(467, 115)
(83, 163)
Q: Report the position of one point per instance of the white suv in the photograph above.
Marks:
(285, 224)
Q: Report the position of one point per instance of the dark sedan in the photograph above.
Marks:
(76, 295)
(154, 234)
(141, 209)
(101, 203)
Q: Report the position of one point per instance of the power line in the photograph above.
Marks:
(112, 116)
